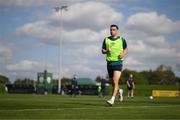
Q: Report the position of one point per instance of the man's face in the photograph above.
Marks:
(113, 31)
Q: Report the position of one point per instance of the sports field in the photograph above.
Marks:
(18, 106)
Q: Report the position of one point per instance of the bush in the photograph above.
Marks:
(2, 88)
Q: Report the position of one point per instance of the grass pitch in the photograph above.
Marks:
(18, 106)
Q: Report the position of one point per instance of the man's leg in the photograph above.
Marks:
(116, 77)
(132, 93)
(103, 91)
(128, 93)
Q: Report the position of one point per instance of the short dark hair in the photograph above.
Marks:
(113, 25)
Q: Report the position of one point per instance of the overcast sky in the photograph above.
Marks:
(30, 32)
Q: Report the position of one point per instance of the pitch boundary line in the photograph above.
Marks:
(59, 109)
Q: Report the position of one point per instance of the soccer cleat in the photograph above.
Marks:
(110, 102)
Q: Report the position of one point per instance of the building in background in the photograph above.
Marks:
(44, 82)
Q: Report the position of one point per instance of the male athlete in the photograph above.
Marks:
(115, 48)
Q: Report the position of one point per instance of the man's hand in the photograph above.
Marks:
(109, 49)
(123, 54)
(104, 51)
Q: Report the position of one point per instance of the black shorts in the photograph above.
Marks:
(130, 88)
(111, 68)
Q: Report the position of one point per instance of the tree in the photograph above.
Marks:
(161, 75)
(4, 79)
(148, 76)
(65, 81)
(98, 79)
(55, 82)
(24, 82)
(177, 80)
(137, 76)
(164, 75)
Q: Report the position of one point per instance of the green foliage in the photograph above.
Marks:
(4, 79)
(66, 81)
(98, 79)
(55, 82)
(161, 75)
(137, 76)
(24, 82)
(2, 88)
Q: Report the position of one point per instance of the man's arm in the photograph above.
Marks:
(124, 53)
(127, 83)
(104, 49)
(125, 49)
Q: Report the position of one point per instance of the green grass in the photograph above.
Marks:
(19, 106)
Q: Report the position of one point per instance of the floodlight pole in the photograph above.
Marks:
(61, 8)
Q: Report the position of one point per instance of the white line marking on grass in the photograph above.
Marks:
(85, 108)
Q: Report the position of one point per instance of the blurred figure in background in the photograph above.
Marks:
(103, 86)
(99, 90)
(130, 86)
(74, 86)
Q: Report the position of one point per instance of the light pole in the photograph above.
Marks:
(60, 9)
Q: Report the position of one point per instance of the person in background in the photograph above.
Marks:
(130, 86)
(99, 90)
(74, 86)
(103, 87)
(6, 89)
(64, 90)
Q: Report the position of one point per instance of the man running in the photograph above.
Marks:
(115, 48)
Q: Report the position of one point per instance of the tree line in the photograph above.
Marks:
(161, 75)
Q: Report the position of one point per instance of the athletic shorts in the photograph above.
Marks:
(129, 88)
(111, 68)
